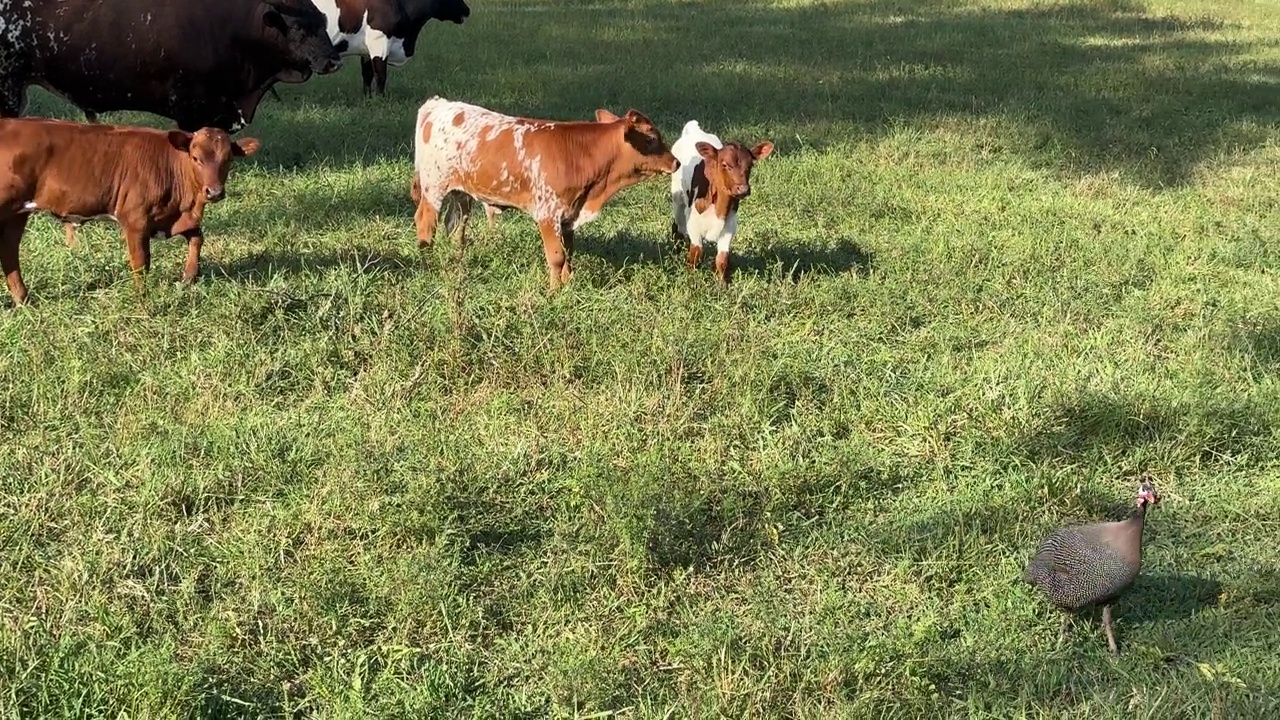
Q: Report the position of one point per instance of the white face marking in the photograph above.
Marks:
(452, 147)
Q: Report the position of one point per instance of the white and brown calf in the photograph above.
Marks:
(714, 178)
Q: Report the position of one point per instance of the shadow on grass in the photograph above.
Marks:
(1260, 341)
(1158, 597)
(726, 527)
(795, 264)
(222, 699)
(625, 251)
(1104, 85)
(1211, 433)
(261, 266)
(1054, 686)
(1093, 86)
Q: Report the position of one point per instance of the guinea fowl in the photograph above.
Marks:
(1084, 565)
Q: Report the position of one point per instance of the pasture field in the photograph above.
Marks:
(1008, 254)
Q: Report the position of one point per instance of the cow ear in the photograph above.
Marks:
(244, 147)
(180, 140)
(707, 150)
(274, 20)
(762, 150)
(635, 117)
(604, 116)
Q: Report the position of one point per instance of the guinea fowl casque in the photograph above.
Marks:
(1083, 565)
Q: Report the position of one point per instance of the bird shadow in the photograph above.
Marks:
(1169, 596)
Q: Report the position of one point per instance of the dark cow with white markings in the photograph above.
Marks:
(384, 32)
(198, 62)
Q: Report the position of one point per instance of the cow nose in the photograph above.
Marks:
(742, 191)
(213, 194)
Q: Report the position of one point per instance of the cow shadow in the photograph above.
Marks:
(626, 251)
(1096, 86)
(796, 264)
(260, 267)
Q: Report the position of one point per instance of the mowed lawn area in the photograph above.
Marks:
(1007, 256)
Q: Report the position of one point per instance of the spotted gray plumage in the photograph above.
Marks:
(1083, 565)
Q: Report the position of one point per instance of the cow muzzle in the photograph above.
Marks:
(741, 191)
(213, 195)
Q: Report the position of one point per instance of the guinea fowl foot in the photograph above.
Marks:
(1111, 635)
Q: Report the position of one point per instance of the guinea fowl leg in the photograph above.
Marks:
(1062, 635)
(1106, 625)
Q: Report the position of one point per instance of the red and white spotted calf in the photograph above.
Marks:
(714, 178)
(561, 173)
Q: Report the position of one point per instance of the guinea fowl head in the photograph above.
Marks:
(1147, 495)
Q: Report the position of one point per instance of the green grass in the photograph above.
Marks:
(1007, 255)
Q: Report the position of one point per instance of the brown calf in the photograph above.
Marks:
(149, 181)
(561, 173)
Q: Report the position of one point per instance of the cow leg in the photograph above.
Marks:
(566, 235)
(553, 247)
(10, 237)
(139, 243)
(491, 214)
(695, 252)
(366, 74)
(425, 219)
(722, 259)
(195, 241)
(69, 229)
(678, 220)
(380, 74)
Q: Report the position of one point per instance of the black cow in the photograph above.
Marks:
(384, 32)
(198, 62)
